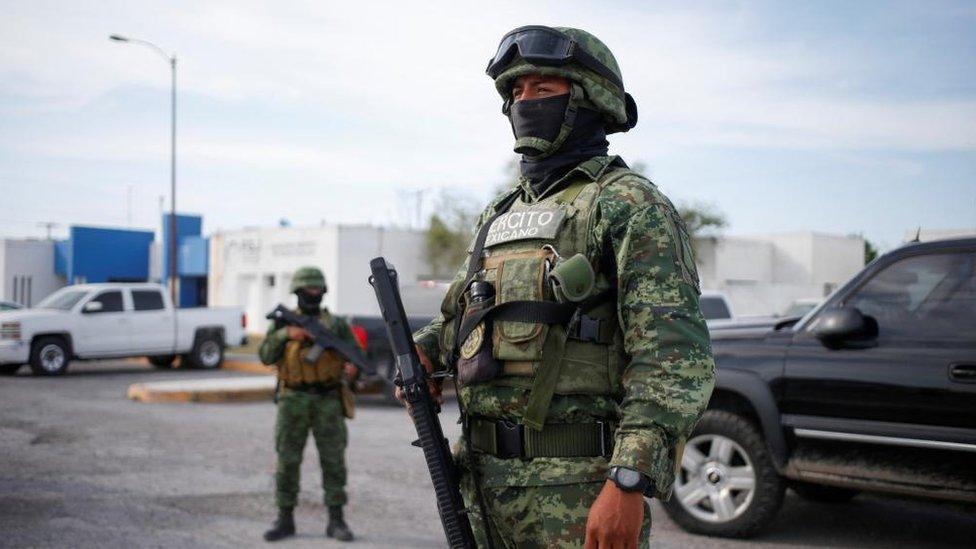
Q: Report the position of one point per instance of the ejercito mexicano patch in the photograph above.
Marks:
(525, 225)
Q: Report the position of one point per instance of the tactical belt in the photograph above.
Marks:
(313, 388)
(572, 315)
(506, 440)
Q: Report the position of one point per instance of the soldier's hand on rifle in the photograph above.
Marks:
(298, 333)
(433, 384)
(615, 518)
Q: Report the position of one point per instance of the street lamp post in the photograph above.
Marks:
(171, 59)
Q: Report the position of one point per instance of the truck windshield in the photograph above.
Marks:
(62, 300)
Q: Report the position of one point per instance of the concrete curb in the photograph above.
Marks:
(208, 391)
(246, 366)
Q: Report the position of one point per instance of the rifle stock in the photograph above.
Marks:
(423, 409)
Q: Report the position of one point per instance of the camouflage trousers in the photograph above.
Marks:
(298, 413)
(528, 517)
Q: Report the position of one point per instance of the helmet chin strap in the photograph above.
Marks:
(576, 95)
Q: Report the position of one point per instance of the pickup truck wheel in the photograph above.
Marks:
(727, 485)
(822, 493)
(207, 353)
(49, 356)
(162, 361)
(9, 369)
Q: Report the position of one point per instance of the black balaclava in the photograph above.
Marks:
(309, 304)
(543, 119)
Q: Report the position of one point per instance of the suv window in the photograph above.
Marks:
(111, 301)
(931, 296)
(147, 300)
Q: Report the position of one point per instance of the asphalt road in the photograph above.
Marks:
(81, 466)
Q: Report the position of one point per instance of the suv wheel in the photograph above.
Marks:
(207, 353)
(49, 356)
(727, 485)
(822, 493)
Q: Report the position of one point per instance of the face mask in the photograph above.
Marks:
(537, 124)
(308, 303)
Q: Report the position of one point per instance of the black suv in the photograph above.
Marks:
(874, 390)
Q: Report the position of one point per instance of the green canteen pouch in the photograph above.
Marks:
(519, 276)
(572, 279)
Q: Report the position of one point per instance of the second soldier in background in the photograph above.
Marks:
(310, 400)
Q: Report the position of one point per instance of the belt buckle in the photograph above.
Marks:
(510, 439)
(589, 329)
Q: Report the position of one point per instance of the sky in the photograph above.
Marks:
(837, 117)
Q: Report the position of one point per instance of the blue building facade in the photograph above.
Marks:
(98, 254)
(192, 259)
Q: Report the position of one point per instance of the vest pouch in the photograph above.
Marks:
(327, 368)
(519, 276)
(290, 366)
(476, 363)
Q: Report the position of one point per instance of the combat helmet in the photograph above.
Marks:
(570, 53)
(308, 277)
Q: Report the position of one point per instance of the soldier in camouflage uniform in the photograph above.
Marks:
(310, 400)
(577, 391)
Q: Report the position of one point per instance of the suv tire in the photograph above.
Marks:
(207, 352)
(822, 493)
(727, 485)
(49, 356)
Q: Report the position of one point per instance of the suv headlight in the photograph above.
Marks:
(10, 330)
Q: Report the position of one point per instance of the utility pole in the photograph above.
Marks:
(48, 225)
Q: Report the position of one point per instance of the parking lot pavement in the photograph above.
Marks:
(82, 466)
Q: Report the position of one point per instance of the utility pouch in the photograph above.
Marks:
(572, 279)
(476, 363)
(519, 276)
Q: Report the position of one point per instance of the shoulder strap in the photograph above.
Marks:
(476, 261)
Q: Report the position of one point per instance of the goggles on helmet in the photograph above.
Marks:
(545, 46)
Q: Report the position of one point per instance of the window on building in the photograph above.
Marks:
(269, 280)
(147, 300)
(111, 301)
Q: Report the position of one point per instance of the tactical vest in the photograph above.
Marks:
(294, 371)
(521, 246)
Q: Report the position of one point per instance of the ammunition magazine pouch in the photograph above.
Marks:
(507, 440)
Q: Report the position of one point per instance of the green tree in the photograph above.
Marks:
(702, 219)
(870, 251)
(449, 232)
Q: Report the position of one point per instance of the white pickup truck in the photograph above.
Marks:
(114, 320)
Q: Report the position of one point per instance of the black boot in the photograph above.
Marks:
(337, 527)
(283, 527)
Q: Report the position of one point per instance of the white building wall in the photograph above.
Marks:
(762, 275)
(27, 266)
(252, 268)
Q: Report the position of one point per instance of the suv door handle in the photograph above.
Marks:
(963, 373)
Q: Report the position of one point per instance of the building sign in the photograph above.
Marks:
(293, 249)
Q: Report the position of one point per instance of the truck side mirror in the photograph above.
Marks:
(845, 327)
(92, 307)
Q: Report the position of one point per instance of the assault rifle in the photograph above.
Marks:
(423, 409)
(322, 339)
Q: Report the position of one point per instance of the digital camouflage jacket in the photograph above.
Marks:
(662, 380)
